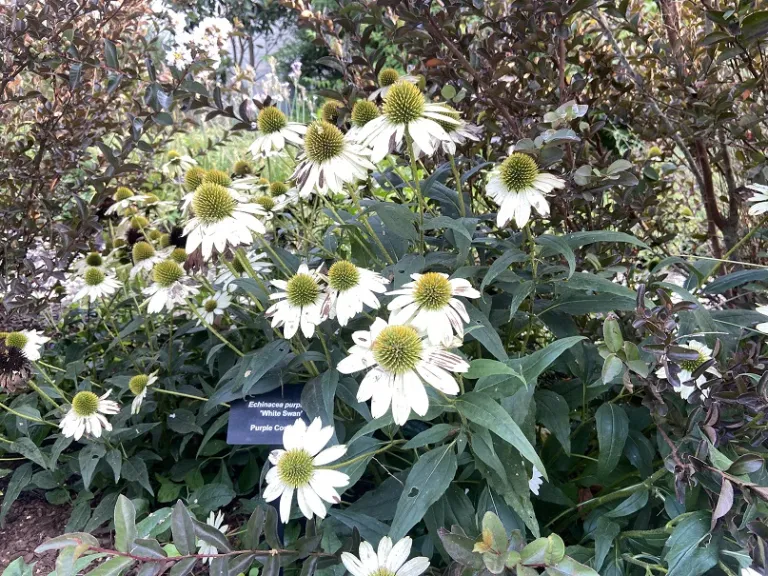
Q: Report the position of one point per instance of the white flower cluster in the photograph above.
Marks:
(207, 40)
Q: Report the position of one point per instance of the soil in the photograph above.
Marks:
(30, 522)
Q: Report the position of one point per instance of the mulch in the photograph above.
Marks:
(30, 522)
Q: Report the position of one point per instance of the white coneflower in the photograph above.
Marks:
(402, 363)
(429, 304)
(177, 164)
(145, 257)
(87, 415)
(458, 134)
(170, 287)
(125, 198)
(93, 259)
(29, 342)
(329, 161)
(256, 262)
(275, 132)
(405, 113)
(213, 307)
(139, 385)
(388, 560)
(760, 199)
(688, 367)
(221, 220)
(387, 78)
(298, 468)
(300, 304)
(516, 185)
(98, 284)
(363, 112)
(534, 484)
(350, 289)
(216, 521)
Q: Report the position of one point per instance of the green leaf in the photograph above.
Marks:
(569, 567)
(212, 536)
(18, 568)
(612, 430)
(558, 245)
(581, 239)
(533, 365)
(149, 548)
(110, 54)
(482, 447)
(614, 340)
(481, 330)
(691, 550)
(125, 524)
(89, 458)
(501, 264)
(493, 526)
(612, 368)
(426, 483)
(262, 361)
(370, 528)
(27, 448)
(183, 567)
(605, 534)
(484, 411)
(183, 529)
(486, 367)
(211, 497)
(254, 528)
(112, 567)
(755, 26)
(552, 410)
(459, 547)
(20, 480)
(397, 219)
(65, 540)
(634, 503)
(154, 524)
(729, 281)
(431, 435)
(544, 551)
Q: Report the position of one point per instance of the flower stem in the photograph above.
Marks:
(364, 218)
(25, 417)
(45, 396)
(363, 456)
(417, 187)
(736, 246)
(213, 330)
(183, 395)
(457, 177)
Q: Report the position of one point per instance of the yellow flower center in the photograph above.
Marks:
(193, 178)
(142, 251)
(343, 275)
(518, 172)
(210, 305)
(388, 76)
(692, 365)
(85, 403)
(432, 291)
(330, 111)
(242, 168)
(138, 384)
(166, 273)
(173, 155)
(323, 141)
(265, 202)
(451, 113)
(404, 103)
(213, 203)
(295, 468)
(122, 193)
(302, 290)
(397, 349)
(278, 188)
(179, 255)
(217, 177)
(271, 120)
(93, 259)
(363, 112)
(16, 340)
(93, 276)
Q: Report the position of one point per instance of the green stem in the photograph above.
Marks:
(183, 395)
(276, 256)
(417, 186)
(363, 456)
(618, 495)
(213, 330)
(457, 177)
(534, 269)
(364, 218)
(25, 417)
(49, 380)
(735, 247)
(45, 396)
